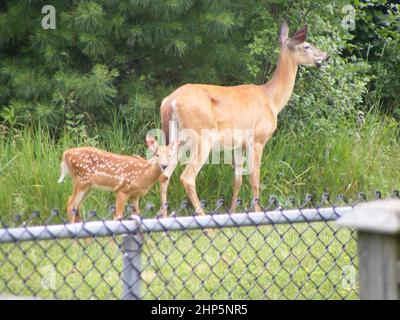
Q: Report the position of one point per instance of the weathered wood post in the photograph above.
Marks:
(378, 227)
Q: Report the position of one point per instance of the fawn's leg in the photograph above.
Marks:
(120, 205)
(79, 193)
(134, 201)
(119, 214)
(164, 182)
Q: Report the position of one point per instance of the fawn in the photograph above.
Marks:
(130, 177)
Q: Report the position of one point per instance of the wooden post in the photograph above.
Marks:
(378, 227)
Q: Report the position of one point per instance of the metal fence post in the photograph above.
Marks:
(131, 266)
(378, 227)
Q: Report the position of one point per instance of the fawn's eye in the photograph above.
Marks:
(307, 47)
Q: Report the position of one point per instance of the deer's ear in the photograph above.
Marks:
(299, 36)
(151, 144)
(284, 32)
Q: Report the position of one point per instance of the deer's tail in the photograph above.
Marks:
(63, 170)
(166, 113)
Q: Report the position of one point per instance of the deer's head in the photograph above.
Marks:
(302, 52)
(162, 155)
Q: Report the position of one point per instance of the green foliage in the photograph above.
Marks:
(115, 55)
(377, 40)
(100, 48)
(346, 158)
(96, 89)
(297, 265)
(336, 90)
(99, 77)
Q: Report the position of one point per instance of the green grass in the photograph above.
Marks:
(299, 261)
(287, 261)
(343, 159)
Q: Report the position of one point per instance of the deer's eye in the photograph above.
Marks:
(307, 47)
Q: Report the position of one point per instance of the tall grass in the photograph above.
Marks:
(346, 158)
(266, 262)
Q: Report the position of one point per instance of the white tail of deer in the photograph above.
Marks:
(221, 109)
(130, 177)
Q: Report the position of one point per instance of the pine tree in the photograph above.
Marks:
(102, 52)
(122, 56)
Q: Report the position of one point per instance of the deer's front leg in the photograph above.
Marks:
(255, 174)
(120, 205)
(238, 161)
(188, 177)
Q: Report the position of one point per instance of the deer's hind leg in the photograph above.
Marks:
(79, 193)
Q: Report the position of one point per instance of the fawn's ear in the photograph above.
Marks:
(152, 144)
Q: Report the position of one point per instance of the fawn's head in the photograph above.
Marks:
(162, 155)
(303, 53)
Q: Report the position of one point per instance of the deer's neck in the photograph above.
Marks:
(279, 89)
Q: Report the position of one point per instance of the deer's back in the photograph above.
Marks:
(88, 162)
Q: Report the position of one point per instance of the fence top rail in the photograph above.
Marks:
(137, 224)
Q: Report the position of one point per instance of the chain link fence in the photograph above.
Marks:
(288, 251)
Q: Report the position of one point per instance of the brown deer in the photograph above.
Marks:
(130, 177)
(223, 110)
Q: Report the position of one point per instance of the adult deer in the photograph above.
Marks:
(226, 109)
(130, 177)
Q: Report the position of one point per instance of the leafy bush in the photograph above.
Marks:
(377, 40)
